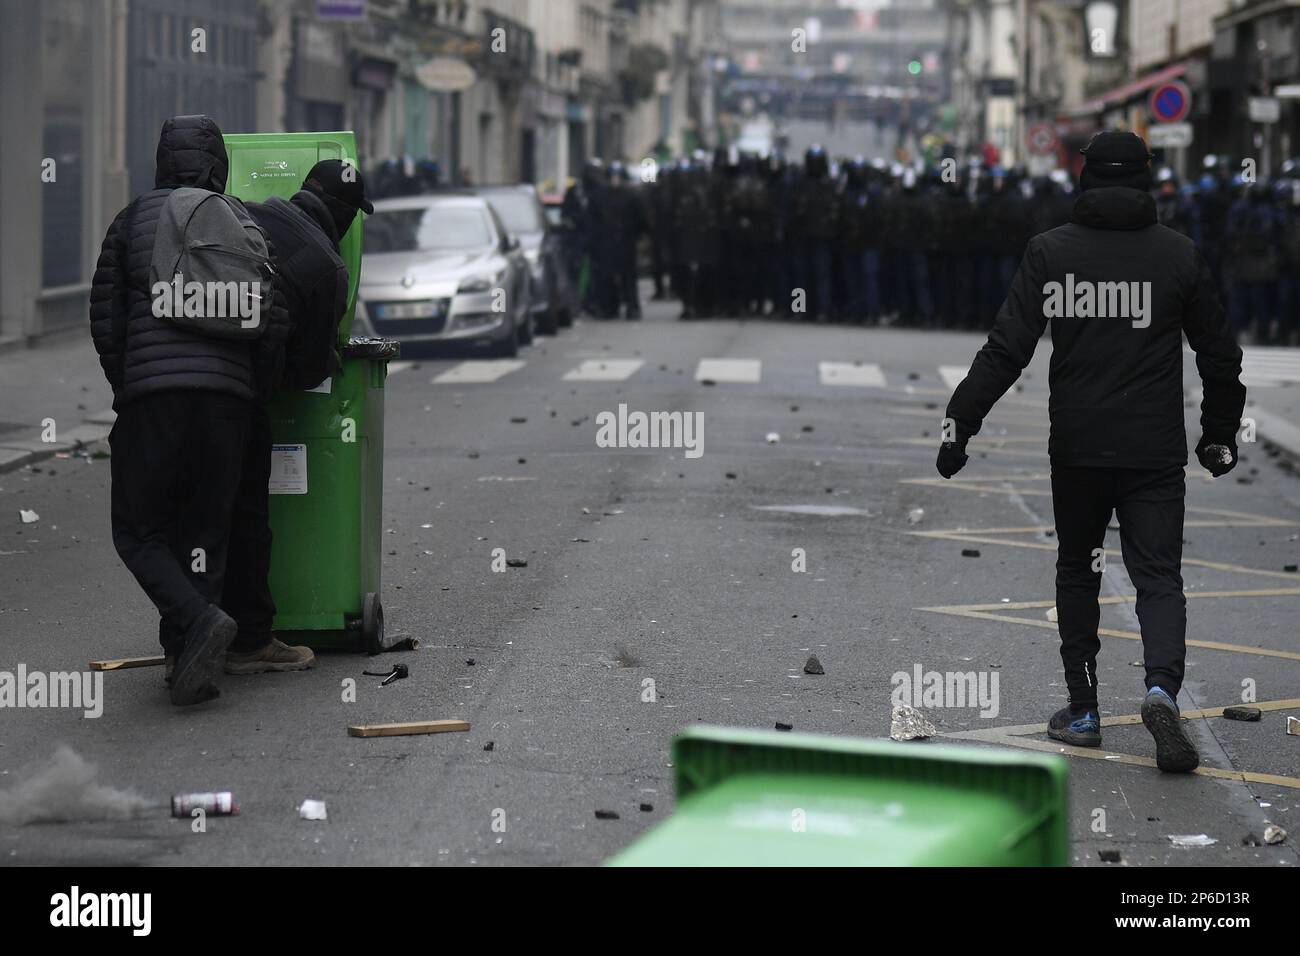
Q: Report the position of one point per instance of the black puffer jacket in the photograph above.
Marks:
(141, 354)
(1116, 382)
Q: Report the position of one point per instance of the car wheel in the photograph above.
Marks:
(526, 329)
(506, 347)
(550, 322)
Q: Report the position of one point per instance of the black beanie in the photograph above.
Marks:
(1115, 158)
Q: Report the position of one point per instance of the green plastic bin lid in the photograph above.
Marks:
(263, 165)
(762, 798)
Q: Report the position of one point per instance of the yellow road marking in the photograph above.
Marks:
(963, 611)
(1016, 737)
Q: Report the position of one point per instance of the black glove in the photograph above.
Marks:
(952, 458)
(1218, 458)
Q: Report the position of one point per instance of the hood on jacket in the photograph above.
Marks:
(192, 152)
(1114, 207)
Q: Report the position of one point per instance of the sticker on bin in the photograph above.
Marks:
(288, 470)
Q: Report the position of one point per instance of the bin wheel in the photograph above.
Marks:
(372, 623)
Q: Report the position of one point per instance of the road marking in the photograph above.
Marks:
(968, 611)
(729, 370)
(952, 375)
(1017, 737)
(1269, 367)
(851, 373)
(603, 370)
(467, 373)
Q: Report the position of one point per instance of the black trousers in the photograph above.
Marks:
(247, 593)
(1149, 505)
(175, 469)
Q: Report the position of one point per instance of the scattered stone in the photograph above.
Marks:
(781, 726)
(647, 808)
(915, 515)
(1274, 834)
(813, 666)
(970, 552)
(805, 428)
(518, 420)
(28, 517)
(516, 562)
(490, 745)
(1108, 856)
(1293, 726)
(1291, 568)
(908, 723)
(707, 381)
(473, 454)
(606, 815)
(731, 474)
(522, 461)
(1192, 839)
(773, 438)
(313, 810)
(1242, 713)
(1051, 614)
(1251, 839)
(470, 662)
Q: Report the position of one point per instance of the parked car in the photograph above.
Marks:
(521, 210)
(444, 268)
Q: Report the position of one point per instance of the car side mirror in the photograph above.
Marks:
(512, 243)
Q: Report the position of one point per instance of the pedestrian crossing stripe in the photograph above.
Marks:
(604, 370)
(467, 373)
(731, 371)
(851, 373)
(1269, 368)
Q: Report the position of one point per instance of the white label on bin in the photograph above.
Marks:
(288, 470)
(325, 387)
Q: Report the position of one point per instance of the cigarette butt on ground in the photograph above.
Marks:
(124, 662)
(407, 729)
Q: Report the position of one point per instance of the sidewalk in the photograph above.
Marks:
(60, 380)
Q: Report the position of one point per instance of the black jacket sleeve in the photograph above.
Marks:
(108, 305)
(1009, 348)
(1218, 360)
(268, 350)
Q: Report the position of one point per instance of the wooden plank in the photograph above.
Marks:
(125, 662)
(402, 730)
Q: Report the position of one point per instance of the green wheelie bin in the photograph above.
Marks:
(327, 464)
(765, 798)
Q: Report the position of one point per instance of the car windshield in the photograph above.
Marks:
(518, 211)
(435, 228)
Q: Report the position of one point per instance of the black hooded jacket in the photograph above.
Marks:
(142, 354)
(1116, 381)
(314, 281)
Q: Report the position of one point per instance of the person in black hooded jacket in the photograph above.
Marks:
(1121, 291)
(305, 231)
(182, 402)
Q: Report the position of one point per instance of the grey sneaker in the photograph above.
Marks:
(276, 656)
(198, 667)
(1175, 753)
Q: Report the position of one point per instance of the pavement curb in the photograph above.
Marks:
(18, 454)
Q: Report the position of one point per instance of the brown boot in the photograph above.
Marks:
(276, 656)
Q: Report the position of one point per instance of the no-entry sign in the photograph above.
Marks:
(1040, 139)
(1170, 102)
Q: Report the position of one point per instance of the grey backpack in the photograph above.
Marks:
(210, 239)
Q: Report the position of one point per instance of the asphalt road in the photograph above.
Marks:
(644, 564)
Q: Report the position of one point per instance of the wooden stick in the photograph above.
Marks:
(124, 662)
(402, 730)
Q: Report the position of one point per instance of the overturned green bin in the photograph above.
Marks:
(327, 459)
(765, 798)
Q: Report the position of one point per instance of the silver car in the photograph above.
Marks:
(443, 268)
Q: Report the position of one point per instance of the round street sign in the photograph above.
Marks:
(1040, 139)
(1170, 102)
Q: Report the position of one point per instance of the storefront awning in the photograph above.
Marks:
(1129, 91)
